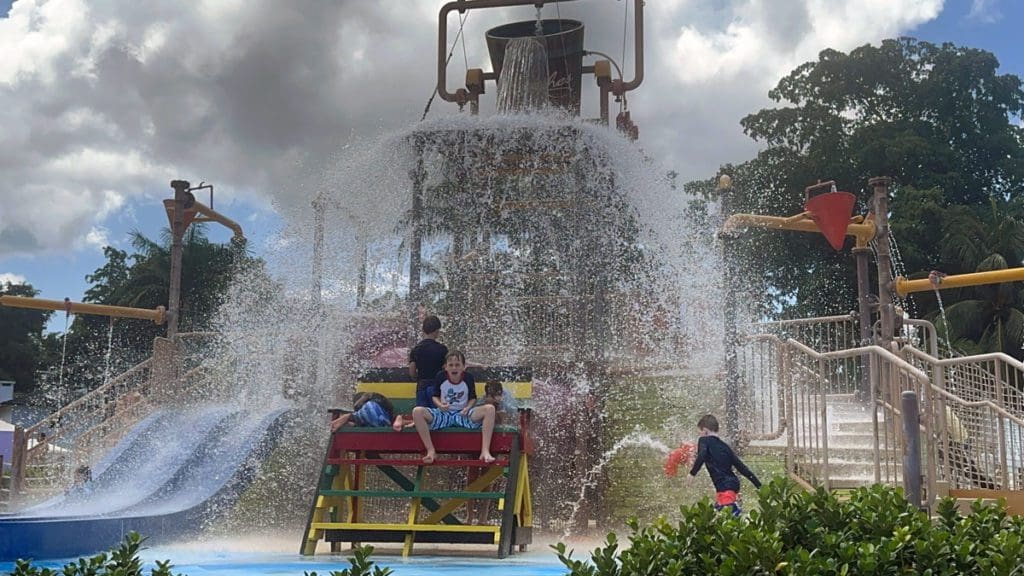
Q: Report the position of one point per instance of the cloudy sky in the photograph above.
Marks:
(103, 102)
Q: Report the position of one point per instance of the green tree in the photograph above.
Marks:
(22, 349)
(98, 346)
(937, 118)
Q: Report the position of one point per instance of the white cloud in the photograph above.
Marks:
(985, 11)
(721, 66)
(7, 277)
(104, 102)
(96, 238)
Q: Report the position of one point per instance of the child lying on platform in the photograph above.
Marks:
(368, 409)
(455, 406)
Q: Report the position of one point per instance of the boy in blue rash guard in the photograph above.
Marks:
(720, 460)
(368, 409)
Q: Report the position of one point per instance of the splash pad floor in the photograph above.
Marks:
(249, 557)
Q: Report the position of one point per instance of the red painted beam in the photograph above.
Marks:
(416, 462)
(409, 442)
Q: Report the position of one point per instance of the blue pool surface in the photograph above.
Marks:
(209, 563)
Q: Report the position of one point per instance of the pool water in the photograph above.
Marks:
(187, 560)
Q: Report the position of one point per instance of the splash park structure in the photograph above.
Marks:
(564, 263)
(868, 398)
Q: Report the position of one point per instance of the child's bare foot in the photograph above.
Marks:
(410, 424)
(429, 458)
(339, 422)
(398, 423)
(486, 457)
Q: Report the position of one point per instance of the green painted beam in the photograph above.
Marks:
(413, 494)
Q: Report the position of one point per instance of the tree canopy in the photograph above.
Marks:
(99, 346)
(944, 124)
(21, 338)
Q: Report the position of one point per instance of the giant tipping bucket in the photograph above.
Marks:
(831, 211)
(563, 40)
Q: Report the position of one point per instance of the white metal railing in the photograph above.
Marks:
(51, 448)
(982, 411)
(972, 414)
(47, 452)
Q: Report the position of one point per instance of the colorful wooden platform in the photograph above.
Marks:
(366, 468)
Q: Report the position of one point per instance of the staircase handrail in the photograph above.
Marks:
(980, 404)
(803, 321)
(91, 395)
(860, 351)
(1006, 390)
(1000, 356)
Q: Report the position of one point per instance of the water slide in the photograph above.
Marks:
(174, 471)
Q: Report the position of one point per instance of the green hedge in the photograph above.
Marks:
(872, 531)
(124, 561)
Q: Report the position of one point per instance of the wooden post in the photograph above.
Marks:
(886, 310)
(177, 232)
(730, 274)
(508, 515)
(18, 454)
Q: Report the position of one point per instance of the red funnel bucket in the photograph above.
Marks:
(831, 211)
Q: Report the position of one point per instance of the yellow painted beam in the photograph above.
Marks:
(904, 286)
(157, 316)
(527, 519)
(862, 230)
(478, 485)
(407, 390)
(522, 485)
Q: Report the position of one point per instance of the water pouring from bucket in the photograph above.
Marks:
(559, 44)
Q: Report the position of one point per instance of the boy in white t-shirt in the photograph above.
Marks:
(455, 406)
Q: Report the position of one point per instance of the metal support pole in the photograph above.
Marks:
(318, 250)
(911, 447)
(862, 254)
(730, 274)
(886, 309)
(418, 176)
(364, 256)
(177, 232)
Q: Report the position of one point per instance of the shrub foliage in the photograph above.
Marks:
(121, 561)
(872, 531)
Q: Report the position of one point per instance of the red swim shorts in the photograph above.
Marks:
(726, 497)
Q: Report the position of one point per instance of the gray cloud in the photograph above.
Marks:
(108, 100)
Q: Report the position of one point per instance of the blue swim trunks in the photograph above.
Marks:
(446, 419)
(371, 414)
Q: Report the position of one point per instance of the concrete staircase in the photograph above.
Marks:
(851, 442)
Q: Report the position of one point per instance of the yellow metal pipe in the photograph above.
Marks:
(157, 315)
(904, 286)
(215, 216)
(862, 230)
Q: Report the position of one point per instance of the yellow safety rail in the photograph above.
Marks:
(158, 315)
(904, 286)
(863, 230)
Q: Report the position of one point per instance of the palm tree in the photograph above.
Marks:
(991, 320)
(207, 270)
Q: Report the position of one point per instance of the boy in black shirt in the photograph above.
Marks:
(720, 461)
(426, 359)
